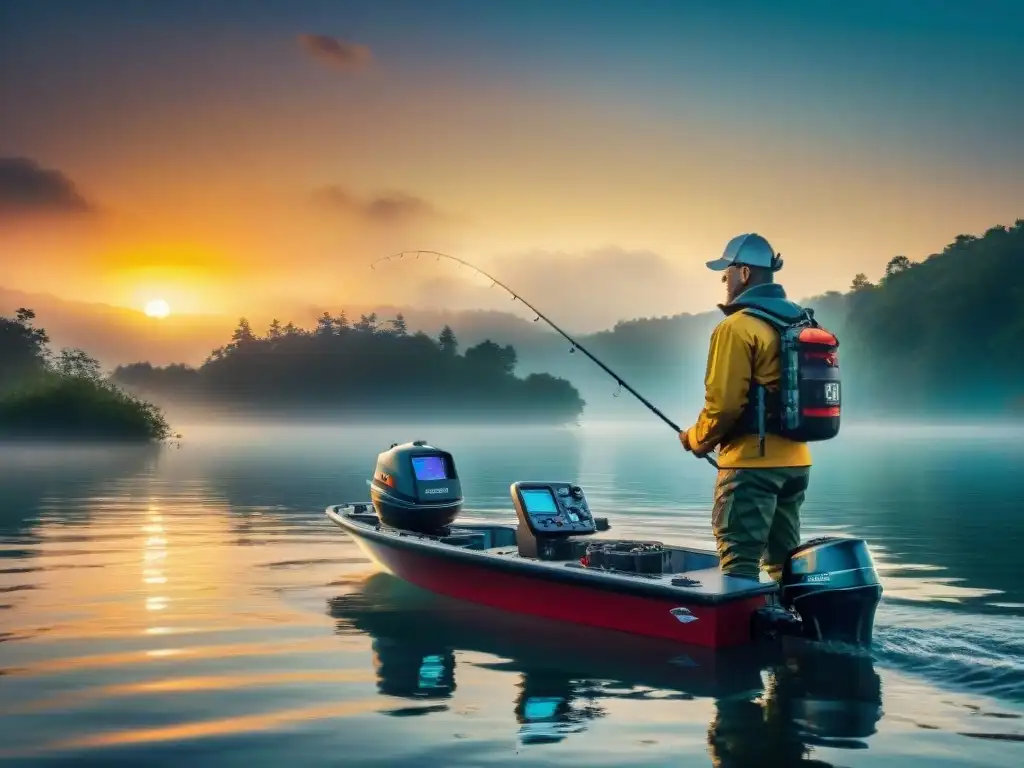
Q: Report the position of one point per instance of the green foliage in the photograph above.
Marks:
(942, 334)
(398, 325)
(860, 282)
(898, 264)
(65, 396)
(368, 370)
(56, 406)
(76, 364)
(447, 341)
(23, 352)
(492, 360)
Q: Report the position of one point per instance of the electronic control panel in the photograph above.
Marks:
(553, 509)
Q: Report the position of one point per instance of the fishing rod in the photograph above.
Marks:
(540, 316)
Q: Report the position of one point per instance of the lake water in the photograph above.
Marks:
(193, 605)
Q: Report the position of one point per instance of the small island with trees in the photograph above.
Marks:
(358, 372)
(65, 396)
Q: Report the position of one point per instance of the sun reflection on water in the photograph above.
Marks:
(154, 550)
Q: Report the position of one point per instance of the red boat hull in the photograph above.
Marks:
(720, 625)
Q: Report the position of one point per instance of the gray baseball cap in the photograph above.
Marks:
(750, 249)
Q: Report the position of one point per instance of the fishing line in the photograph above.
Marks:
(540, 316)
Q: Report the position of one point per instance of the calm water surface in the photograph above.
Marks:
(194, 604)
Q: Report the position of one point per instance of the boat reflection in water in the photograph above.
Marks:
(567, 674)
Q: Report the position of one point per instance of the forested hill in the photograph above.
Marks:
(943, 334)
(362, 371)
(934, 338)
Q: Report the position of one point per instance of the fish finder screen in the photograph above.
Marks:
(429, 468)
(539, 502)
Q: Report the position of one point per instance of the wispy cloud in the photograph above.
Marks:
(387, 208)
(335, 52)
(26, 187)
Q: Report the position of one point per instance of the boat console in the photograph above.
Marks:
(558, 509)
(553, 518)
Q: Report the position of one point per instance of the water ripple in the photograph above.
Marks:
(200, 598)
(202, 729)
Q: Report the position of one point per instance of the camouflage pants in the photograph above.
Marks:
(756, 517)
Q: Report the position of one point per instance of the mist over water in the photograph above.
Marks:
(193, 603)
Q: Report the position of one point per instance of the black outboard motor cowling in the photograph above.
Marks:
(831, 583)
(415, 488)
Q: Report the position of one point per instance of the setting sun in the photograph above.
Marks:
(157, 308)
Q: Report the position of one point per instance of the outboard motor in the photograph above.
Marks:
(831, 583)
(828, 592)
(415, 488)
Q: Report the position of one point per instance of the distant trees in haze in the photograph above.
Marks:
(367, 369)
(941, 335)
(898, 264)
(860, 281)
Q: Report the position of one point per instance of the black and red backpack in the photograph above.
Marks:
(807, 405)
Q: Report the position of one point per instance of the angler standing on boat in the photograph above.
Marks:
(755, 410)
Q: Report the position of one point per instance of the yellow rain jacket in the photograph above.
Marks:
(742, 346)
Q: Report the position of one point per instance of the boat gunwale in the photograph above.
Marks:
(623, 583)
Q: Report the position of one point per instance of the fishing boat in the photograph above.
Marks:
(558, 561)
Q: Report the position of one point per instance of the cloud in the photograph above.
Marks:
(26, 187)
(387, 208)
(336, 53)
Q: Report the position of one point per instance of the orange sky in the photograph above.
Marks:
(278, 176)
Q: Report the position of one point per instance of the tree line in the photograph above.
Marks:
(940, 335)
(44, 395)
(366, 369)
